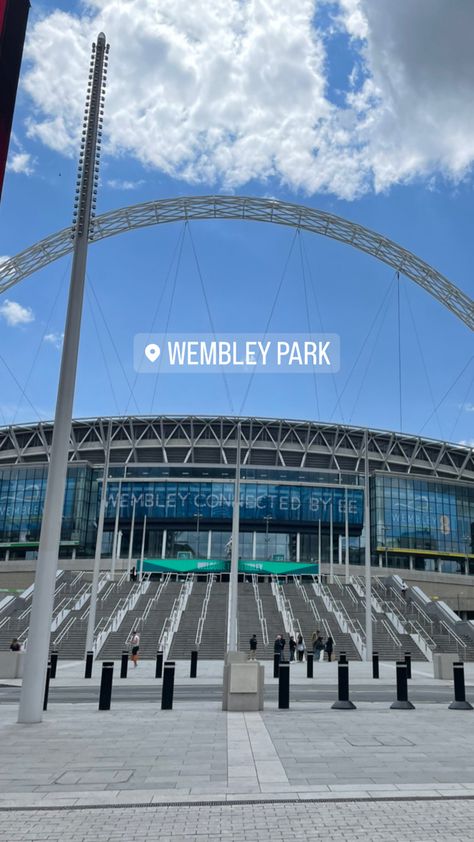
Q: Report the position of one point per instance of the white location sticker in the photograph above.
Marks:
(152, 352)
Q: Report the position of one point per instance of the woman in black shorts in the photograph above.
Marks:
(135, 647)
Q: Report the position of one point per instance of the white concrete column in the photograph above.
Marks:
(298, 547)
(346, 533)
(209, 543)
(331, 546)
(254, 545)
(163, 543)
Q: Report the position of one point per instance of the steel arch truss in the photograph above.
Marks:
(257, 210)
(266, 443)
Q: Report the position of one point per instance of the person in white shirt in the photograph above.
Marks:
(135, 647)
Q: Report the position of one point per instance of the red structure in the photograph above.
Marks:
(13, 19)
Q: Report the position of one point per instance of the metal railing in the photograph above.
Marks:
(261, 616)
(202, 618)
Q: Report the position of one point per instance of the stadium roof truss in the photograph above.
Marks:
(266, 443)
(253, 209)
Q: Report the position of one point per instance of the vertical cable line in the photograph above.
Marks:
(109, 332)
(104, 359)
(447, 392)
(422, 357)
(382, 304)
(209, 315)
(170, 307)
(318, 311)
(382, 320)
(399, 354)
(308, 322)
(272, 310)
(40, 344)
(22, 391)
(461, 407)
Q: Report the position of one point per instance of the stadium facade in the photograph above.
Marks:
(170, 489)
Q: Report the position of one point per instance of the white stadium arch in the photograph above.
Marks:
(256, 210)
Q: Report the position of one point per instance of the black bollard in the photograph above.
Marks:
(89, 662)
(276, 664)
(106, 685)
(284, 685)
(194, 664)
(342, 658)
(375, 665)
(343, 702)
(124, 664)
(46, 687)
(54, 662)
(408, 663)
(168, 686)
(459, 688)
(309, 665)
(402, 702)
(159, 664)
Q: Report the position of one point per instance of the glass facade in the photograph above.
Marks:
(416, 523)
(22, 493)
(422, 516)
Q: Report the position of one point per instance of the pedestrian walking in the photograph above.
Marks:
(15, 645)
(329, 646)
(300, 647)
(404, 589)
(253, 647)
(292, 647)
(318, 645)
(135, 647)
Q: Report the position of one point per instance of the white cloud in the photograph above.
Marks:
(21, 162)
(229, 91)
(15, 314)
(468, 407)
(119, 184)
(467, 442)
(55, 339)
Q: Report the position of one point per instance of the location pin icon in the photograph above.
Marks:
(152, 352)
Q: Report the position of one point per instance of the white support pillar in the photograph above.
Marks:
(163, 543)
(298, 547)
(331, 546)
(339, 550)
(368, 576)
(209, 544)
(319, 550)
(98, 548)
(119, 546)
(254, 545)
(346, 535)
(142, 554)
(36, 658)
(116, 531)
(232, 635)
(130, 543)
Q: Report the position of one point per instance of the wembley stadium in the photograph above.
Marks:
(170, 482)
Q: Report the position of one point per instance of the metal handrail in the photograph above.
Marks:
(391, 633)
(453, 634)
(202, 618)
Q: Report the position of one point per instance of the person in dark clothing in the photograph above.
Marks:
(300, 647)
(15, 645)
(253, 647)
(292, 647)
(279, 645)
(329, 647)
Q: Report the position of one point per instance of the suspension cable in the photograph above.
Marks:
(465, 366)
(308, 322)
(211, 322)
(270, 317)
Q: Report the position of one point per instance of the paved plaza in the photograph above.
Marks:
(196, 772)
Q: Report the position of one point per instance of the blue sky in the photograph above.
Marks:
(254, 99)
